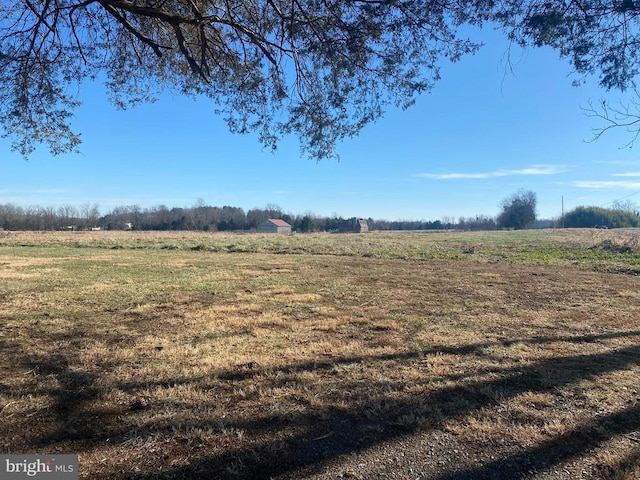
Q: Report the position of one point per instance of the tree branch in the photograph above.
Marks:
(617, 116)
(156, 47)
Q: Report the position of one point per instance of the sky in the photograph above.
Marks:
(487, 130)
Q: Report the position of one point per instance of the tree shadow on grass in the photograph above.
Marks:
(250, 370)
(328, 434)
(350, 431)
(71, 389)
(629, 466)
(559, 449)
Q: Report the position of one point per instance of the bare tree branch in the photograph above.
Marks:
(620, 115)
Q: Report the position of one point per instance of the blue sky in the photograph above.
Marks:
(484, 132)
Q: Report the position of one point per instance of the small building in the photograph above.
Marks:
(274, 225)
(362, 226)
(351, 225)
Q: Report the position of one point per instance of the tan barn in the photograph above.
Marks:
(274, 225)
(362, 226)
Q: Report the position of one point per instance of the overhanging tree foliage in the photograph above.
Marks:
(321, 69)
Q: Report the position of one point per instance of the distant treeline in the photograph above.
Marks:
(602, 217)
(207, 218)
(199, 217)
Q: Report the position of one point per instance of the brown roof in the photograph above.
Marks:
(278, 222)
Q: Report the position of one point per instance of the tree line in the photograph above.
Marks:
(517, 211)
(202, 217)
(199, 217)
(602, 217)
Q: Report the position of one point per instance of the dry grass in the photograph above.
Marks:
(236, 356)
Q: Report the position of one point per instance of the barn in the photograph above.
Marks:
(352, 225)
(362, 226)
(274, 225)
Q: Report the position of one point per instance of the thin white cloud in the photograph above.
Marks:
(597, 184)
(452, 176)
(529, 171)
(627, 174)
(622, 163)
(533, 170)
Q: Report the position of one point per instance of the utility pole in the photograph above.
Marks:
(562, 211)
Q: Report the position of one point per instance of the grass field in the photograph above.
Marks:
(192, 355)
